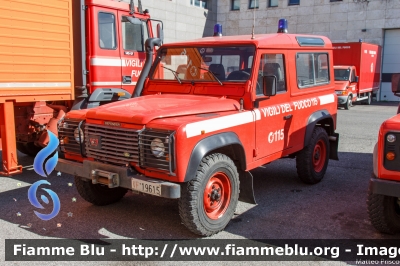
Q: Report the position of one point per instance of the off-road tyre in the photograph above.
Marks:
(97, 194)
(28, 148)
(216, 175)
(21, 147)
(312, 160)
(384, 212)
(369, 100)
(348, 103)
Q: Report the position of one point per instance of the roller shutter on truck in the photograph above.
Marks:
(391, 63)
(36, 51)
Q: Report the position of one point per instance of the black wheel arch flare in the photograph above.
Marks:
(211, 143)
(316, 118)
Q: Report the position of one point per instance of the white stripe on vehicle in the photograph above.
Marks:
(258, 114)
(326, 99)
(99, 61)
(215, 124)
(111, 83)
(35, 85)
(105, 62)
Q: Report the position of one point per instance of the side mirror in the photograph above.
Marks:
(269, 85)
(396, 83)
(356, 79)
(134, 21)
(160, 32)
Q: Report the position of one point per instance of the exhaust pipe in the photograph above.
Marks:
(150, 44)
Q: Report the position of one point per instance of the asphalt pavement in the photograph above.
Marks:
(335, 208)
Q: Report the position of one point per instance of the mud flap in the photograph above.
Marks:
(246, 187)
(334, 144)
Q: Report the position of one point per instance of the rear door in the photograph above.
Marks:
(132, 50)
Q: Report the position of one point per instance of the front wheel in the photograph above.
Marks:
(384, 212)
(208, 202)
(348, 104)
(98, 194)
(28, 148)
(312, 160)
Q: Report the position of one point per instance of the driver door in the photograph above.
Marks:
(272, 129)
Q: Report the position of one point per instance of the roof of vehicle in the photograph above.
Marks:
(276, 40)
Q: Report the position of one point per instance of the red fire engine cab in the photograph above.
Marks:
(384, 187)
(197, 130)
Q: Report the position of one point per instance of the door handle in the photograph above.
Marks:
(126, 79)
(287, 117)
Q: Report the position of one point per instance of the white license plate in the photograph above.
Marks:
(146, 187)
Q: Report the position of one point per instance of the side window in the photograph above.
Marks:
(133, 36)
(312, 69)
(107, 36)
(272, 65)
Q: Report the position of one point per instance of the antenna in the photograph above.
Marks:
(254, 19)
(140, 6)
(131, 7)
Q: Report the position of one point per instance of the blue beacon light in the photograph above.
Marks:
(218, 30)
(282, 26)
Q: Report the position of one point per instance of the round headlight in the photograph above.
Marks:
(78, 132)
(157, 147)
(391, 138)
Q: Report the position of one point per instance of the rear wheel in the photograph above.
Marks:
(369, 100)
(98, 194)
(384, 212)
(312, 160)
(208, 202)
(348, 104)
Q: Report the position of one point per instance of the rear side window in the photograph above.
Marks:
(312, 69)
(107, 36)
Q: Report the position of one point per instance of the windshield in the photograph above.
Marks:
(342, 74)
(204, 63)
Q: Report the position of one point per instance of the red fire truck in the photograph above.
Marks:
(357, 68)
(61, 56)
(384, 187)
(196, 132)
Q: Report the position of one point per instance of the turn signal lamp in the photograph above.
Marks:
(390, 156)
(121, 94)
(218, 30)
(282, 26)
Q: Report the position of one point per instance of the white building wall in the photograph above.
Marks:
(342, 21)
(182, 21)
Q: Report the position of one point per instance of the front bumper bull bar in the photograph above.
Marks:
(115, 176)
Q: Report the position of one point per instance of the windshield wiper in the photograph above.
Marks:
(206, 69)
(175, 74)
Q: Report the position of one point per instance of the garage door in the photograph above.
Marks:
(390, 64)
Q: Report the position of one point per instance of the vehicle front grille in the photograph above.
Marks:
(112, 145)
(120, 146)
(66, 135)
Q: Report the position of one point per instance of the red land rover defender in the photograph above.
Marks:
(197, 131)
(384, 187)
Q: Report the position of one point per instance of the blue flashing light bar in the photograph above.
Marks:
(282, 26)
(217, 29)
